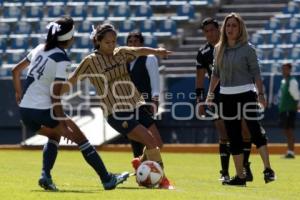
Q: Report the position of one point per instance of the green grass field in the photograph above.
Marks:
(194, 175)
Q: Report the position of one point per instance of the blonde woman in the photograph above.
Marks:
(236, 68)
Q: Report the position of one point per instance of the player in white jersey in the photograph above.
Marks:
(40, 102)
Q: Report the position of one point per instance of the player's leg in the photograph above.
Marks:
(109, 181)
(137, 148)
(246, 150)
(224, 150)
(288, 124)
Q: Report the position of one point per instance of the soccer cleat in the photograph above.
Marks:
(136, 162)
(235, 181)
(248, 173)
(165, 184)
(289, 156)
(115, 180)
(269, 175)
(47, 184)
(224, 176)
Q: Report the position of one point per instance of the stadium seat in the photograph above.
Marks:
(294, 38)
(23, 28)
(85, 27)
(295, 55)
(78, 56)
(266, 67)
(120, 13)
(83, 42)
(15, 56)
(291, 8)
(167, 28)
(3, 43)
(78, 11)
(5, 28)
(34, 12)
(277, 54)
(40, 27)
(55, 11)
(184, 12)
(294, 23)
(12, 12)
(19, 42)
(273, 24)
(126, 26)
(150, 41)
(148, 26)
(142, 12)
(256, 39)
(266, 51)
(99, 13)
(35, 41)
(275, 38)
(121, 40)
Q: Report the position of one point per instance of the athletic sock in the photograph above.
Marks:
(246, 151)
(49, 157)
(93, 159)
(224, 156)
(154, 155)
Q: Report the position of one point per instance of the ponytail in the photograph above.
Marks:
(51, 41)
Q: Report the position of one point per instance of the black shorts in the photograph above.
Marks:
(125, 122)
(35, 118)
(287, 119)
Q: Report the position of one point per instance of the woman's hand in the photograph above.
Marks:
(262, 101)
(163, 53)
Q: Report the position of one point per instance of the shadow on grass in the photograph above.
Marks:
(67, 191)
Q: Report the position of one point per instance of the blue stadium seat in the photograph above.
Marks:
(278, 54)
(295, 38)
(40, 27)
(148, 26)
(78, 12)
(83, 42)
(15, 56)
(55, 10)
(275, 38)
(121, 40)
(266, 67)
(295, 53)
(126, 26)
(13, 12)
(5, 28)
(256, 39)
(35, 41)
(99, 13)
(294, 23)
(266, 51)
(34, 12)
(184, 12)
(167, 28)
(23, 28)
(273, 24)
(78, 56)
(120, 13)
(150, 41)
(291, 8)
(3, 43)
(143, 12)
(19, 42)
(85, 27)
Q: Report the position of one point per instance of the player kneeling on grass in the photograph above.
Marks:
(106, 68)
(40, 105)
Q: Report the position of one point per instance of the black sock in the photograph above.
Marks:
(49, 157)
(246, 151)
(224, 155)
(91, 156)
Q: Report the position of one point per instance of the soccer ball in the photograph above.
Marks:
(149, 174)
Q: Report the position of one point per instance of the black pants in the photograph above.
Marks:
(233, 108)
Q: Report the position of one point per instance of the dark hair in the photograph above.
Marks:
(209, 20)
(66, 24)
(289, 65)
(135, 34)
(100, 33)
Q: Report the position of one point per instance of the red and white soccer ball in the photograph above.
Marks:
(149, 174)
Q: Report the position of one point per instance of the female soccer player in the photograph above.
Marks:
(106, 68)
(236, 67)
(40, 103)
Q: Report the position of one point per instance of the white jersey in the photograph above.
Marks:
(44, 68)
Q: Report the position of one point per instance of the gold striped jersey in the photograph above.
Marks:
(110, 77)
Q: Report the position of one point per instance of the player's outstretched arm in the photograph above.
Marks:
(161, 52)
(16, 74)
